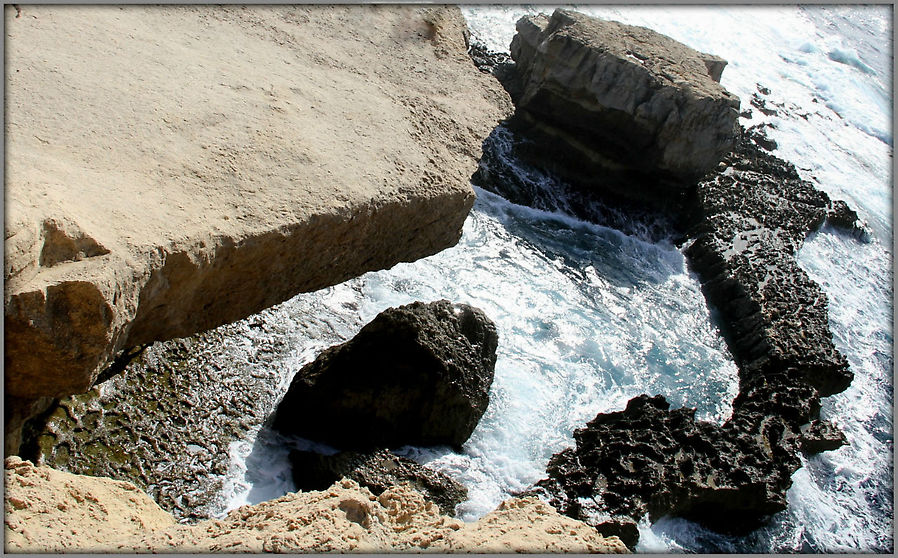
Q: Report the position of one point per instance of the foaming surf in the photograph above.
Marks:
(591, 315)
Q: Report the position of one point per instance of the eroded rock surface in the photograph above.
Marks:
(742, 224)
(160, 188)
(377, 471)
(753, 216)
(418, 374)
(52, 511)
(611, 103)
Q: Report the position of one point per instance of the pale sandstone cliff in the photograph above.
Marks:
(170, 169)
(48, 510)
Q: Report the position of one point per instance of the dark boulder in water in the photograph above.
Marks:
(418, 374)
(377, 471)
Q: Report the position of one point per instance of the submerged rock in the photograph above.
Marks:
(419, 374)
(377, 471)
(611, 104)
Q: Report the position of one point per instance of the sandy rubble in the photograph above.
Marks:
(55, 511)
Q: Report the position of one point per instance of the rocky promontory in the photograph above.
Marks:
(741, 226)
(160, 187)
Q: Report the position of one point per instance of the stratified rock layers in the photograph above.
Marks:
(419, 374)
(619, 102)
(156, 188)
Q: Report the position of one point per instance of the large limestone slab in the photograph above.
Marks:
(622, 98)
(170, 169)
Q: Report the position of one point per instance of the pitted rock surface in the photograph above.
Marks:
(377, 471)
(754, 215)
(751, 217)
(419, 374)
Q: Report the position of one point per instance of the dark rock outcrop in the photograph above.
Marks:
(377, 471)
(741, 225)
(418, 374)
(650, 460)
(611, 104)
(751, 218)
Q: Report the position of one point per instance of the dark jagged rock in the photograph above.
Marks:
(499, 65)
(650, 460)
(846, 219)
(753, 218)
(820, 436)
(378, 471)
(418, 374)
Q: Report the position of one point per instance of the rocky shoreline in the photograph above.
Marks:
(684, 165)
(741, 225)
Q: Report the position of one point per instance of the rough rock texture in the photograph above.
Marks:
(377, 471)
(620, 103)
(419, 374)
(51, 511)
(156, 188)
(752, 217)
(166, 423)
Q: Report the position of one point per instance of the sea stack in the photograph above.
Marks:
(614, 103)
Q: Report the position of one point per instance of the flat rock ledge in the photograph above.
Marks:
(156, 188)
(53, 511)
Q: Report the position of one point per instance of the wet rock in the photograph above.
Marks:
(751, 220)
(618, 102)
(377, 471)
(651, 460)
(844, 218)
(418, 374)
(820, 436)
(166, 422)
(499, 65)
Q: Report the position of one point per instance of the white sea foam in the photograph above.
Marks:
(589, 317)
